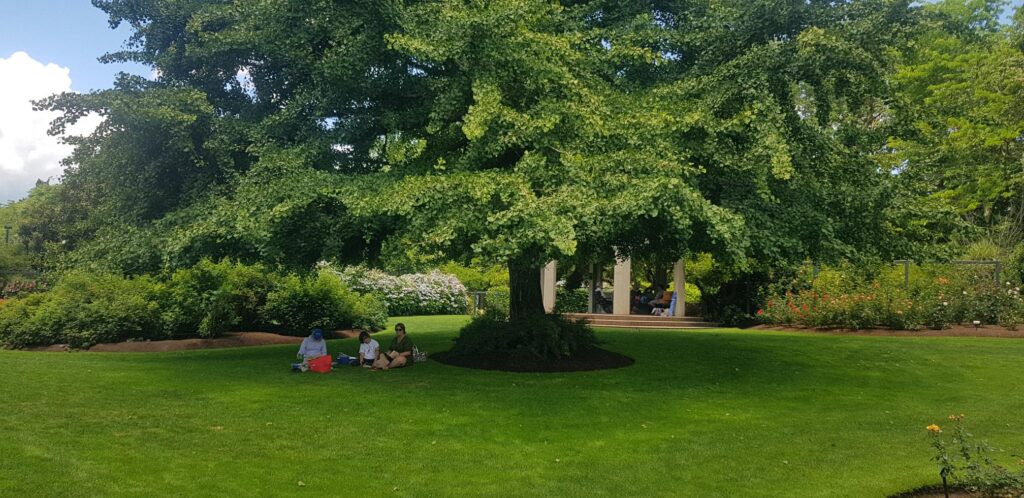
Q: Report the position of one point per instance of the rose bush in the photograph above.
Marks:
(937, 297)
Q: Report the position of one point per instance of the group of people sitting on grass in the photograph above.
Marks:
(399, 354)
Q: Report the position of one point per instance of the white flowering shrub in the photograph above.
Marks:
(433, 293)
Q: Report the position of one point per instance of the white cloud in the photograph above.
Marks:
(27, 153)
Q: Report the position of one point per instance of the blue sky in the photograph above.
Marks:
(69, 33)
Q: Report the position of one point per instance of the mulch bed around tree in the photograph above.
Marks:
(229, 340)
(595, 359)
(955, 331)
(935, 491)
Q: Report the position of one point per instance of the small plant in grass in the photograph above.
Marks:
(966, 463)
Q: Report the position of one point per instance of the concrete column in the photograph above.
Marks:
(679, 282)
(592, 287)
(548, 276)
(621, 283)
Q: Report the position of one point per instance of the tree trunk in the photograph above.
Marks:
(525, 298)
(575, 279)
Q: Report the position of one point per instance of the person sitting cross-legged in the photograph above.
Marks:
(368, 350)
(399, 354)
(312, 347)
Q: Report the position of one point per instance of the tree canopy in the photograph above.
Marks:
(521, 131)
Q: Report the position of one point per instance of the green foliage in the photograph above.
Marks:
(968, 463)
(496, 302)
(13, 259)
(571, 300)
(1015, 265)
(83, 309)
(516, 132)
(213, 298)
(371, 312)
(116, 248)
(984, 250)
(476, 277)
(959, 117)
(938, 296)
(542, 337)
(574, 128)
(317, 301)
(693, 294)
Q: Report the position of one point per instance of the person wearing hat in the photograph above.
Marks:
(312, 347)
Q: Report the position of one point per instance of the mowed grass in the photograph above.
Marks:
(714, 413)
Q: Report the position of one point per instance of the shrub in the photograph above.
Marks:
(83, 309)
(937, 297)
(320, 300)
(983, 250)
(433, 293)
(476, 278)
(15, 286)
(371, 313)
(1015, 265)
(497, 302)
(213, 298)
(967, 463)
(571, 300)
(541, 337)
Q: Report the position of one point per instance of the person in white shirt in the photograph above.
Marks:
(368, 350)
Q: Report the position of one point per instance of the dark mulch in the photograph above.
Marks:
(935, 491)
(594, 359)
(228, 340)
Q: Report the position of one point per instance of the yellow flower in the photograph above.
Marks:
(934, 428)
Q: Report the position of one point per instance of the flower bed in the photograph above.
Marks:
(937, 297)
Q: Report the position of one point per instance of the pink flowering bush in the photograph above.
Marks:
(433, 293)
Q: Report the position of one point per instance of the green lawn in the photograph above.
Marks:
(716, 413)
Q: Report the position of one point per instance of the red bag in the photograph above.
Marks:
(320, 365)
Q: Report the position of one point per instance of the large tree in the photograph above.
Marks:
(517, 131)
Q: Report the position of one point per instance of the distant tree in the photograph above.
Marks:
(961, 137)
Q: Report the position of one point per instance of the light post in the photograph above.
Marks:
(7, 234)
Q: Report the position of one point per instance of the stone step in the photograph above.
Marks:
(651, 323)
(655, 327)
(627, 318)
(644, 322)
